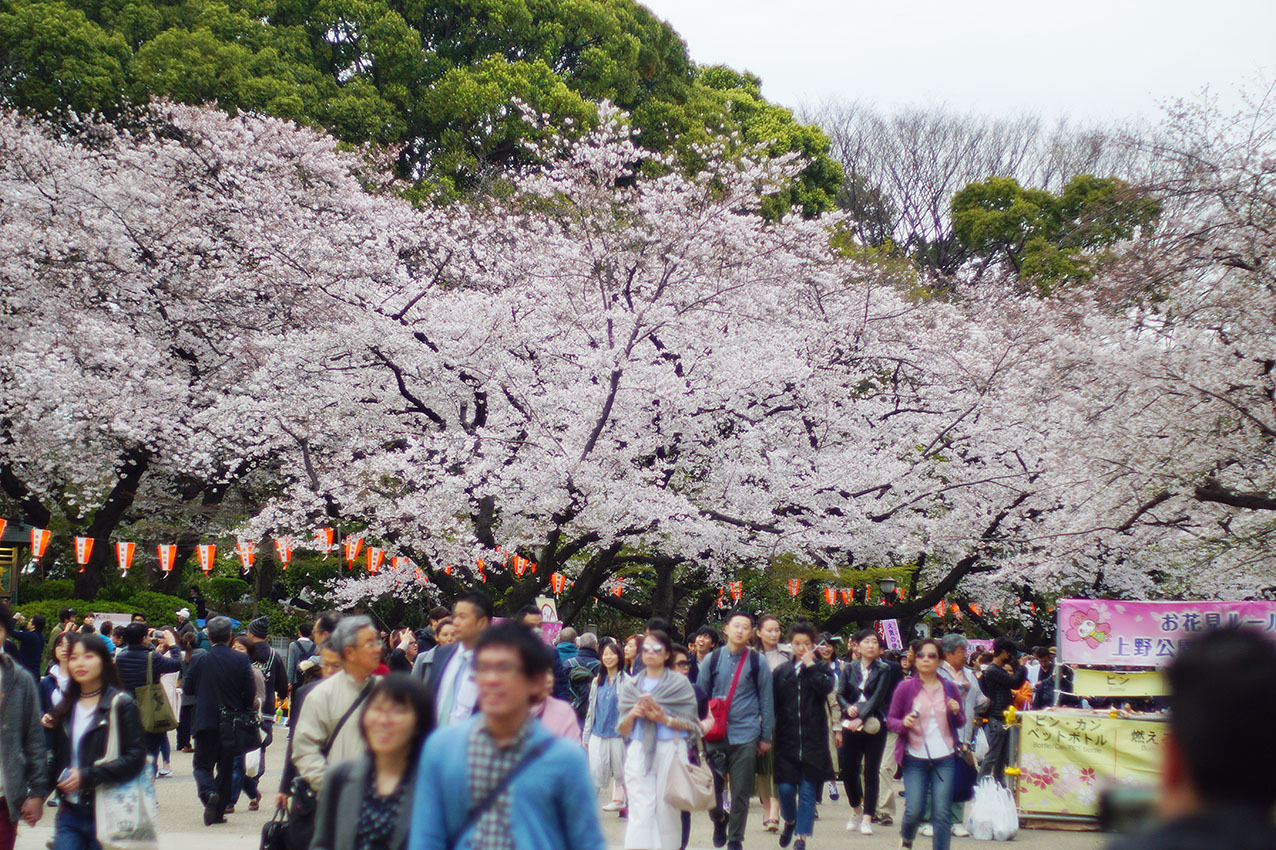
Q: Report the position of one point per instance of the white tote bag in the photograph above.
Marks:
(689, 787)
(124, 812)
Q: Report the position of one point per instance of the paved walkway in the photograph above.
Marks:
(182, 825)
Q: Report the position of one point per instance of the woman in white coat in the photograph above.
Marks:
(657, 712)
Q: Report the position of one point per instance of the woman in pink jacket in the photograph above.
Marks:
(927, 715)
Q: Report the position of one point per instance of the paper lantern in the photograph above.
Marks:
(353, 546)
(620, 586)
(283, 547)
(83, 549)
(3, 523)
(124, 554)
(939, 609)
(207, 552)
(847, 596)
(520, 566)
(246, 554)
(325, 537)
(558, 581)
(39, 542)
(375, 556)
(167, 556)
(795, 585)
(737, 590)
(830, 596)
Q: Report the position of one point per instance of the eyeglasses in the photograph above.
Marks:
(653, 647)
(682, 665)
(927, 655)
(500, 668)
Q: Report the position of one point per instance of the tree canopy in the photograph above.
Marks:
(437, 82)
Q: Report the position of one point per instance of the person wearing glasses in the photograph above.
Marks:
(500, 779)
(926, 713)
(321, 738)
(657, 712)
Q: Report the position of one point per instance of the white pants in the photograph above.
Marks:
(653, 823)
(607, 762)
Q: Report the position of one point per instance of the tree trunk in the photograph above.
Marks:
(132, 466)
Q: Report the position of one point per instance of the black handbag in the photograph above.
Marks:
(274, 834)
(241, 728)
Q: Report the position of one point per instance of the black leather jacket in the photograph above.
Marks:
(875, 693)
(132, 755)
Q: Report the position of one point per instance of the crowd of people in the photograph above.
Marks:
(385, 727)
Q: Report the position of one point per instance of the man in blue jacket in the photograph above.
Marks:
(520, 786)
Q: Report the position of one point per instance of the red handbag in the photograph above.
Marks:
(719, 708)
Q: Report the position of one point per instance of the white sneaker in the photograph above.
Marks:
(927, 831)
(866, 825)
(164, 773)
(852, 824)
(613, 806)
(960, 831)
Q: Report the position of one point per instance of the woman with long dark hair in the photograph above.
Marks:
(92, 703)
(767, 642)
(53, 686)
(864, 693)
(603, 743)
(367, 802)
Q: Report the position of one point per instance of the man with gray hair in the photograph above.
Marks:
(581, 672)
(327, 730)
(222, 681)
(955, 669)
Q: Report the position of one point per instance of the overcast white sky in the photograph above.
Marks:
(1094, 60)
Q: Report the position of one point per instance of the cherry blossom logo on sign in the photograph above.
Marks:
(1084, 627)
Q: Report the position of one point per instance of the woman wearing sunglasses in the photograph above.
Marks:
(927, 715)
(657, 711)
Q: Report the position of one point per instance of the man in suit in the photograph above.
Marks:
(221, 679)
(451, 679)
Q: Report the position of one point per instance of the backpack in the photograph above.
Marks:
(579, 679)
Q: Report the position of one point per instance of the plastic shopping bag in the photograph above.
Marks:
(981, 745)
(979, 817)
(252, 763)
(1005, 819)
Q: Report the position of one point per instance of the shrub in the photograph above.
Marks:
(53, 588)
(223, 591)
(160, 609)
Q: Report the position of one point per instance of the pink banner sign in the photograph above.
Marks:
(1147, 634)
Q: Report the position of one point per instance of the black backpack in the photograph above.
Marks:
(579, 680)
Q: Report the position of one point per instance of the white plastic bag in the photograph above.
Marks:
(252, 763)
(1005, 818)
(979, 817)
(981, 745)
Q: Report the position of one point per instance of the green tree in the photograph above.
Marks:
(437, 81)
(1045, 239)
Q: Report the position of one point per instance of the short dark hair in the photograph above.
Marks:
(438, 612)
(1006, 645)
(745, 614)
(38, 623)
(803, 627)
(661, 636)
(134, 633)
(1228, 673)
(218, 629)
(659, 624)
(1042, 652)
(328, 621)
(106, 627)
(305, 628)
(939, 649)
(710, 632)
(679, 649)
(480, 600)
(403, 689)
(534, 654)
(867, 633)
(66, 614)
(525, 612)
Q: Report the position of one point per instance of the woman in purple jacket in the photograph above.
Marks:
(926, 713)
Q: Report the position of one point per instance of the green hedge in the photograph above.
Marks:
(53, 588)
(159, 608)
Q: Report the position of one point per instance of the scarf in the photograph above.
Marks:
(673, 693)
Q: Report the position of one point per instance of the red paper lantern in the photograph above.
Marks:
(207, 551)
(353, 546)
(283, 547)
(39, 542)
(830, 596)
(124, 555)
(795, 584)
(324, 538)
(167, 556)
(247, 555)
(83, 549)
(375, 557)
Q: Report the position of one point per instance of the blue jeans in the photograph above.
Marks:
(74, 828)
(928, 779)
(797, 803)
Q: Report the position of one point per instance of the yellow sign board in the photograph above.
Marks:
(1108, 683)
(1067, 758)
